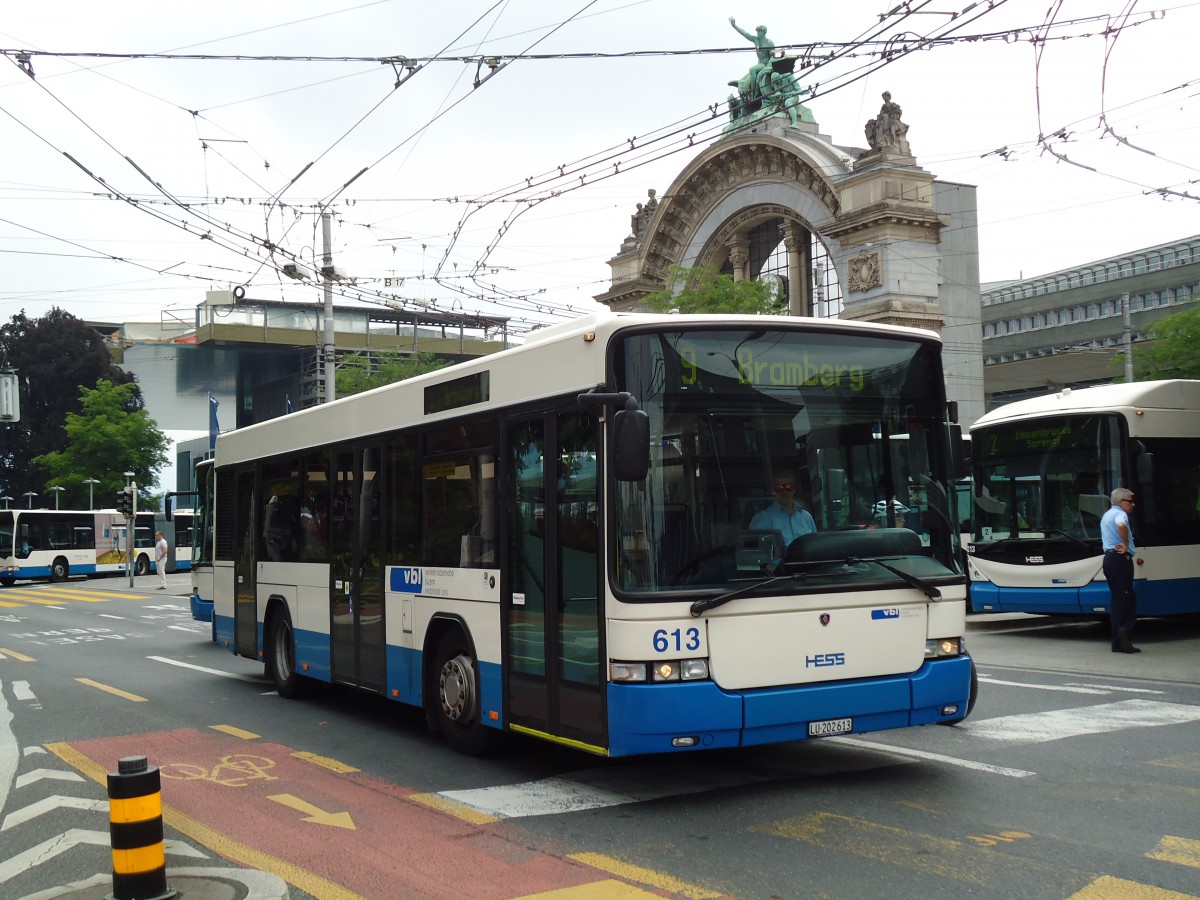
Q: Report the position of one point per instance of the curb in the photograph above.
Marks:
(192, 883)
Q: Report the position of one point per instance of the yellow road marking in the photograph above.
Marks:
(655, 879)
(15, 655)
(6, 603)
(1183, 851)
(314, 814)
(597, 890)
(1107, 887)
(41, 602)
(441, 804)
(1188, 761)
(236, 732)
(301, 879)
(112, 690)
(325, 762)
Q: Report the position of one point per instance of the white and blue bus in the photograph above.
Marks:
(555, 540)
(54, 544)
(1043, 472)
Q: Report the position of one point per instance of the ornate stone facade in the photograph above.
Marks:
(875, 212)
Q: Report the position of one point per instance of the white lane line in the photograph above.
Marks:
(1113, 687)
(932, 757)
(1031, 728)
(22, 691)
(175, 662)
(987, 679)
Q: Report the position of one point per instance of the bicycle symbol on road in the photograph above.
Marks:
(234, 770)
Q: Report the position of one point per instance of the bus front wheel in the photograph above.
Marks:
(60, 570)
(281, 658)
(142, 565)
(456, 696)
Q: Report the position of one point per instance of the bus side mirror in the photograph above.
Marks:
(959, 451)
(1145, 468)
(631, 444)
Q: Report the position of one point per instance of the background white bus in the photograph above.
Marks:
(1043, 472)
(57, 543)
(555, 540)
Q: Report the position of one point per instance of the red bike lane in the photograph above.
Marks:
(348, 829)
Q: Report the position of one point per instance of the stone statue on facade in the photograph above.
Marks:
(769, 88)
(886, 132)
(640, 220)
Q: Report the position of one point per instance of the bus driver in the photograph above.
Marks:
(784, 515)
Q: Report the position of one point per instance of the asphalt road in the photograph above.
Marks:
(1078, 776)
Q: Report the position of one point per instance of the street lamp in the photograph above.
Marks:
(91, 483)
(58, 489)
(7, 501)
(29, 495)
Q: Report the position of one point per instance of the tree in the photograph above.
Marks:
(54, 356)
(106, 429)
(357, 374)
(708, 291)
(1172, 348)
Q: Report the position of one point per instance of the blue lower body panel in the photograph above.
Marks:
(645, 718)
(1174, 597)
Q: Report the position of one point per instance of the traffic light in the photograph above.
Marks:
(125, 502)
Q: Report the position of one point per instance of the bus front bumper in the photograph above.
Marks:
(665, 718)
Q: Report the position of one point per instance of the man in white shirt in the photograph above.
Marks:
(160, 559)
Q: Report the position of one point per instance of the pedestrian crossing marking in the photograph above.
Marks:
(596, 890)
(1031, 728)
(1181, 851)
(1107, 887)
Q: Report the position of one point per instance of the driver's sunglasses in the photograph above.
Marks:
(785, 486)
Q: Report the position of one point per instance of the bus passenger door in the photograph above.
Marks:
(554, 654)
(245, 590)
(356, 573)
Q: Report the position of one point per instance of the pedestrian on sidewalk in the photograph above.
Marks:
(160, 559)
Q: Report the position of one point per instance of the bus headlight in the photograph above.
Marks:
(663, 670)
(938, 648)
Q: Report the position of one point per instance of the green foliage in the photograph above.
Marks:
(357, 374)
(54, 357)
(1172, 349)
(105, 439)
(707, 291)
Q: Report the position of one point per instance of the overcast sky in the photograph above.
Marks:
(221, 146)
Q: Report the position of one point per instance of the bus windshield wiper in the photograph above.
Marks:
(704, 605)
(920, 584)
(1070, 537)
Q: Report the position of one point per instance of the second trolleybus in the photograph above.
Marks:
(556, 540)
(1044, 469)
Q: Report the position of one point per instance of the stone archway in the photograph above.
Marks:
(877, 219)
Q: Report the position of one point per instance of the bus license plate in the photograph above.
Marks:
(830, 726)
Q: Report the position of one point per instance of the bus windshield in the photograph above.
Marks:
(846, 425)
(1046, 479)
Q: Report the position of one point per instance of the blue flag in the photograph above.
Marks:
(213, 428)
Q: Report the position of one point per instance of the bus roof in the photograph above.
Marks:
(573, 351)
(1175, 394)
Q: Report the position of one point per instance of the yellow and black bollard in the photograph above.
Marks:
(136, 831)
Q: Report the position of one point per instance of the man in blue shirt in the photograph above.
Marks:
(784, 515)
(1116, 536)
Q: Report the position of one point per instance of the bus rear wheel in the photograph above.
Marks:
(60, 570)
(281, 658)
(456, 695)
(142, 565)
